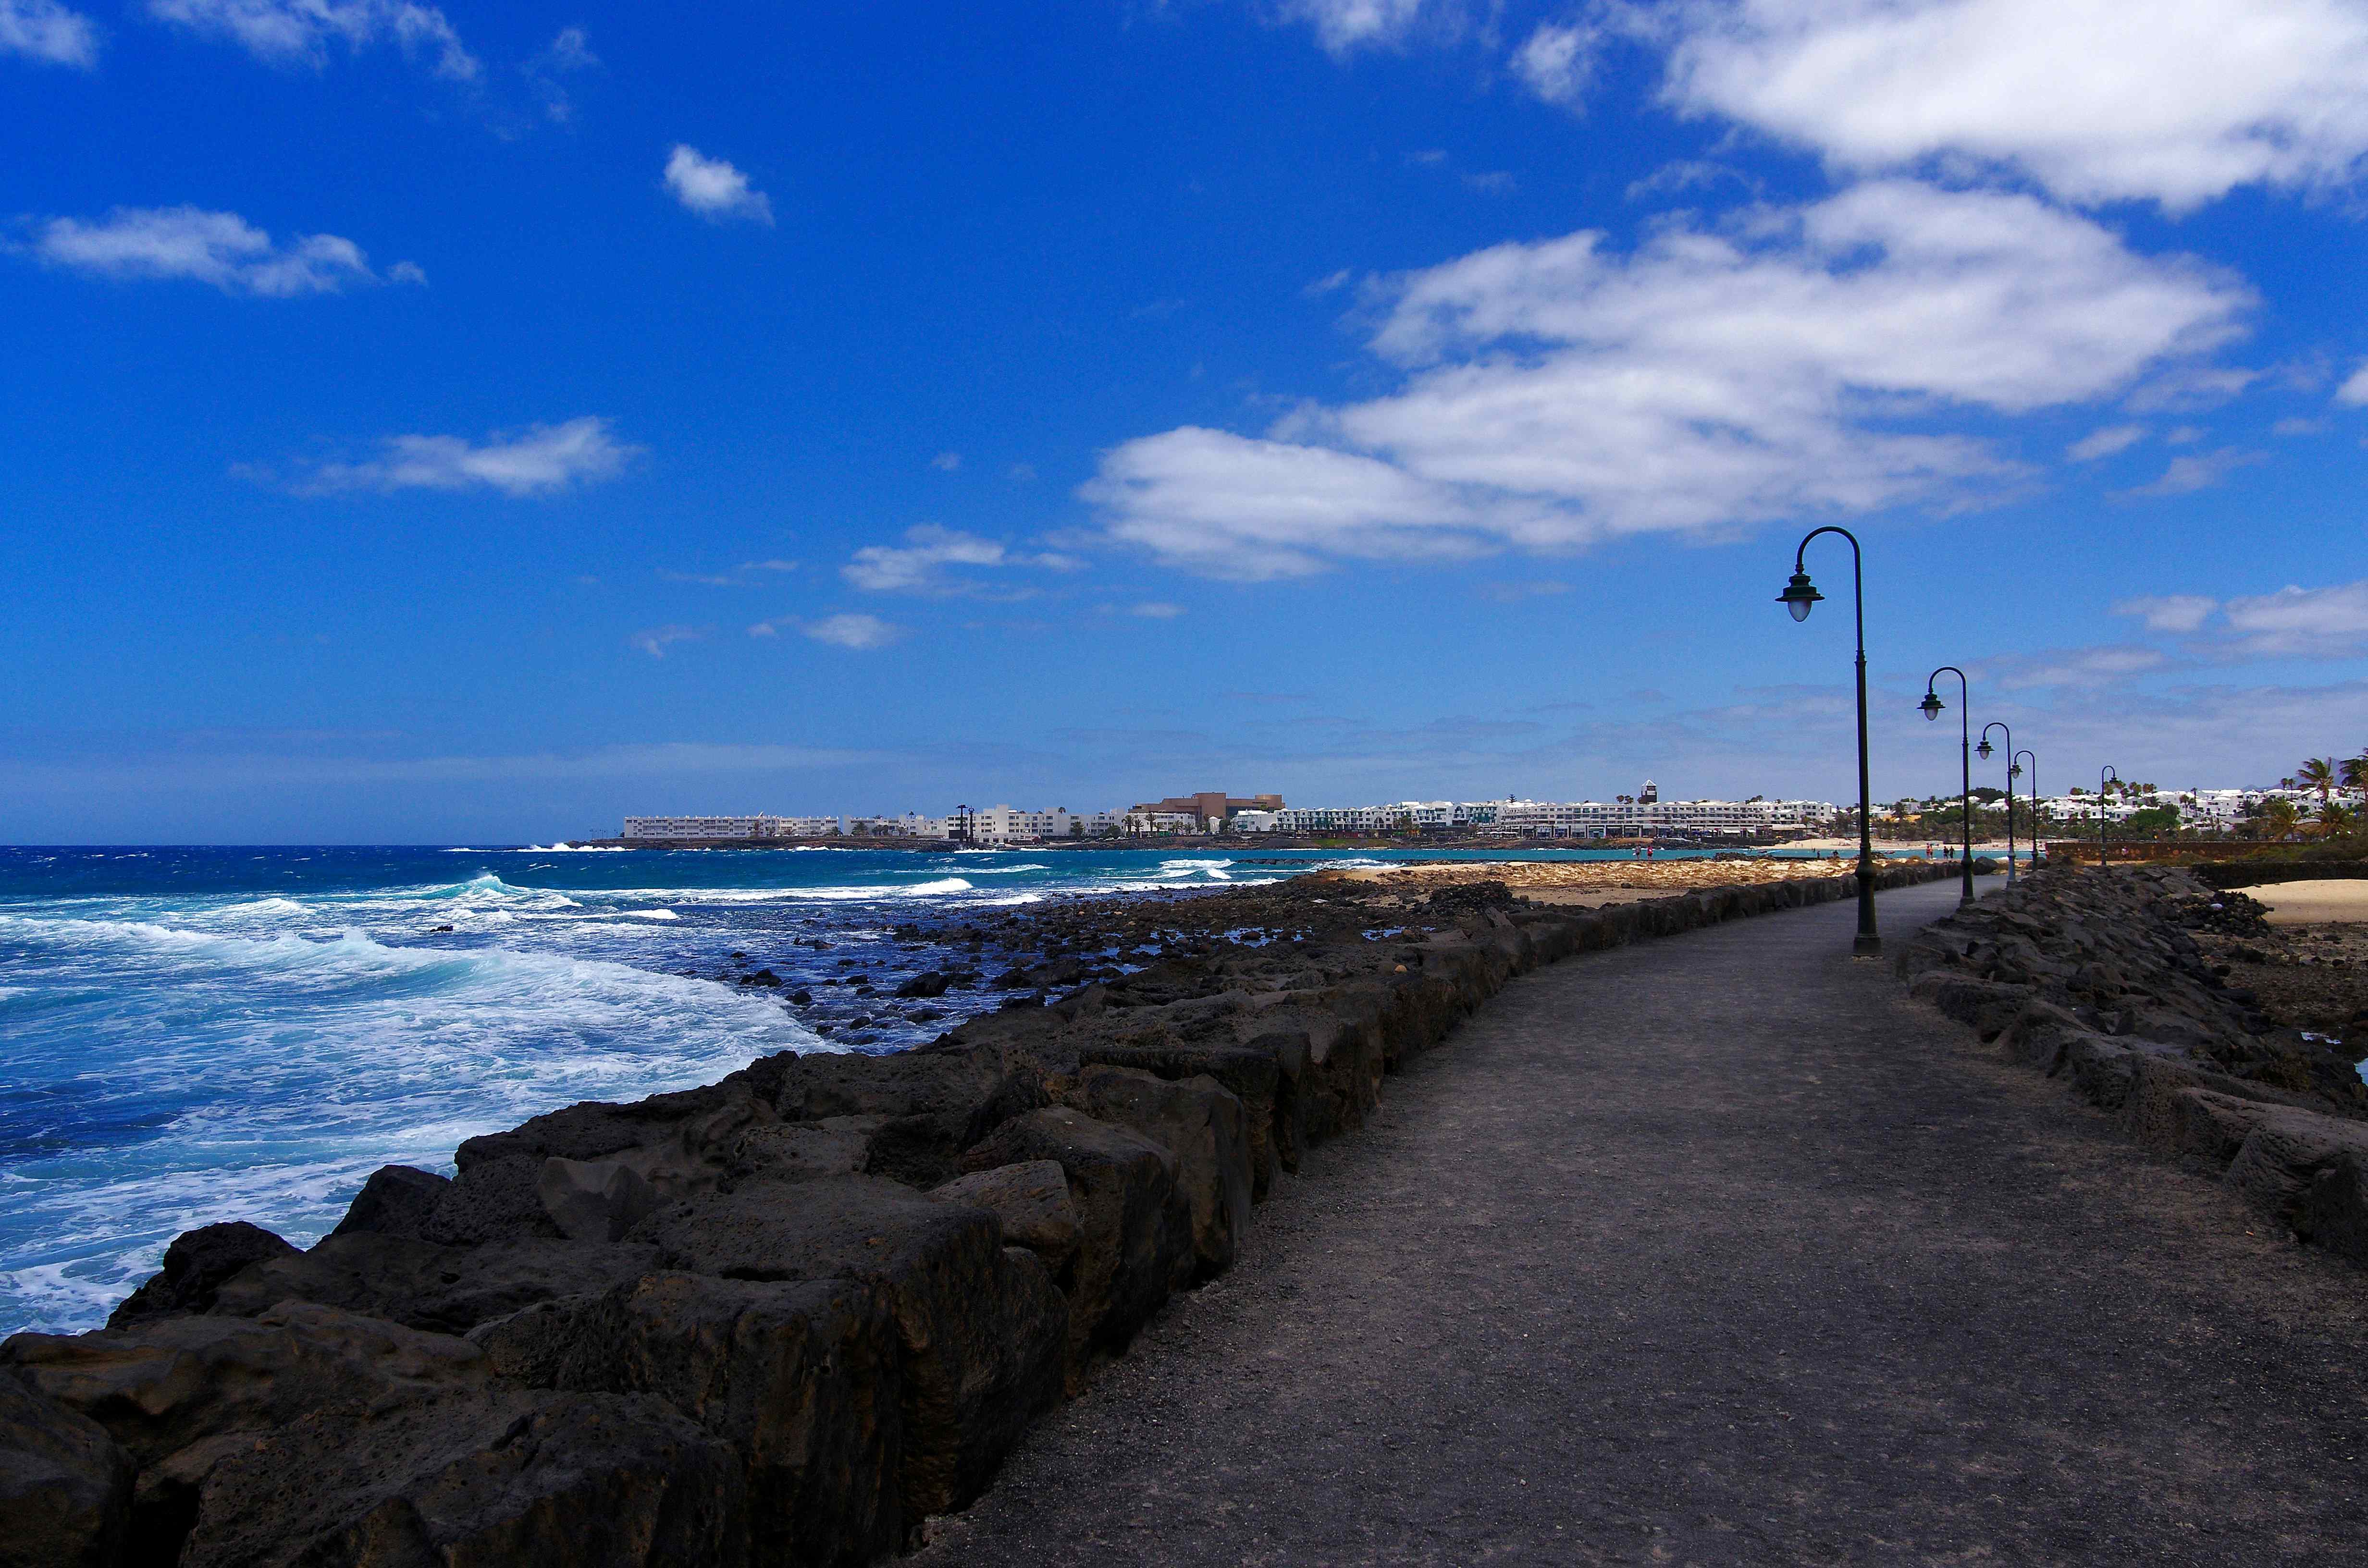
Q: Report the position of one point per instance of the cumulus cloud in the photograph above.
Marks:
(47, 32)
(714, 189)
(2179, 613)
(2104, 443)
(2178, 101)
(918, 565)
(2187, 476)
(1557, 63)
(2353, 392)
(1342, 25)
(220, 248)
(861, 633)
(299, 32)
(537, 460)
(1715, 378)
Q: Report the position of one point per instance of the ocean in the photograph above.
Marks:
(201, 1034)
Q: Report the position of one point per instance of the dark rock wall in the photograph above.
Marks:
(783, 1318)
(2094, 977)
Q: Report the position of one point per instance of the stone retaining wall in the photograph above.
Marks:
(2093, 978)
(778, 1320)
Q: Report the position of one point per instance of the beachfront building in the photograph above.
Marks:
(1625, 818)
(911, 824)
(1009, 825)
(662, 829)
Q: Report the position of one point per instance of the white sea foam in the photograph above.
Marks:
(1000, 871)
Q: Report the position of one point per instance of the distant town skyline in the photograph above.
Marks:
(432, 423)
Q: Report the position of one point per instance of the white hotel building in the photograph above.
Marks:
(1549, 819)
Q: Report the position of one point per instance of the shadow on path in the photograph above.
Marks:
(1717, 1249)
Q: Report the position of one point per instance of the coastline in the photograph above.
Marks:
(920, 1251)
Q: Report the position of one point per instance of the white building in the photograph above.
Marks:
(679, 828)
(912, 825)
(1559, 819)
(1010, 824)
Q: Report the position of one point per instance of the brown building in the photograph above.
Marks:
(1211, 805)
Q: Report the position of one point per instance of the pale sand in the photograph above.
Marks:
(2312, 903)
(1594, 884)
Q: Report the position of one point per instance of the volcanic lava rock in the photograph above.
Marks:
(397, 1201)
(65, 1488)
(196, 1266)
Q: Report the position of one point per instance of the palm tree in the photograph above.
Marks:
(2277, 818)
(2355, 772)
(2317, 772)
(2333, 819)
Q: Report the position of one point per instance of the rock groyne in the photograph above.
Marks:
(2102, 979)
(781, 1319)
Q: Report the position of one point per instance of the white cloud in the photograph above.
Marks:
(2177, 101)
(1557, 64)
(567, 53)
(657, 639)
(220, 248)
(1344, 25)
(540, 458)
(1157, 611)
(861, 633)
(2324, 623)
(946, 462)
(2353, 392)
(2072, 667)
(714, 189)
(299, 32)
(47, 32)
(1021, 473)
(2106, 442)
(2298, 427)
(2187, 476)
(1713, 379)
(918, 566)
(2171, 612)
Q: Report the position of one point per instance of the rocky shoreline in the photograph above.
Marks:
(786, 1317)
(2117, 984)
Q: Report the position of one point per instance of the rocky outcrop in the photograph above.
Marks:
(2095, 978)
(783, 1318)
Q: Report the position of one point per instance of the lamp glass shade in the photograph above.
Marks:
(1800, 595)
(1984, 750)
(1931, 705)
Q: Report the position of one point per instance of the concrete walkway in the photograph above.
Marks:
(1719, 1250)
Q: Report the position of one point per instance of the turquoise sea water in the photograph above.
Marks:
(201, 1034)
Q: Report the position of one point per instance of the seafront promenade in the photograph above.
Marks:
(1720, 1249)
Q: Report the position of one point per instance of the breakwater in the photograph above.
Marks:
(2098, 979)
(782, 1318)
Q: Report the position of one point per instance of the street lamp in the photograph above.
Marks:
(1931, 706)
(1800, 596)
(2104, 847)
(1984, 751)
(2011, 772)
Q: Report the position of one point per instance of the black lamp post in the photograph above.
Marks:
(1984, 750)
(2104, 846)
(1800, 596)
(2033, 795)
(1931, 706)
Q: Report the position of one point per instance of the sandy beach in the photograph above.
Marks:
(2313, 902)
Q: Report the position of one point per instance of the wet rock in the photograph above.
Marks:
(1031, 1199)
(932, 983)
(516, 1477)
(434, 1288)
(397, 1201)
(196, 1266)
(65, 1488)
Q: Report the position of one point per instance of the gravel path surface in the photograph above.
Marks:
(1717, 1249)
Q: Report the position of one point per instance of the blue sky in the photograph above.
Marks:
(477, 423)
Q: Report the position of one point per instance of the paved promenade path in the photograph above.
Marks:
(1713, 1250)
